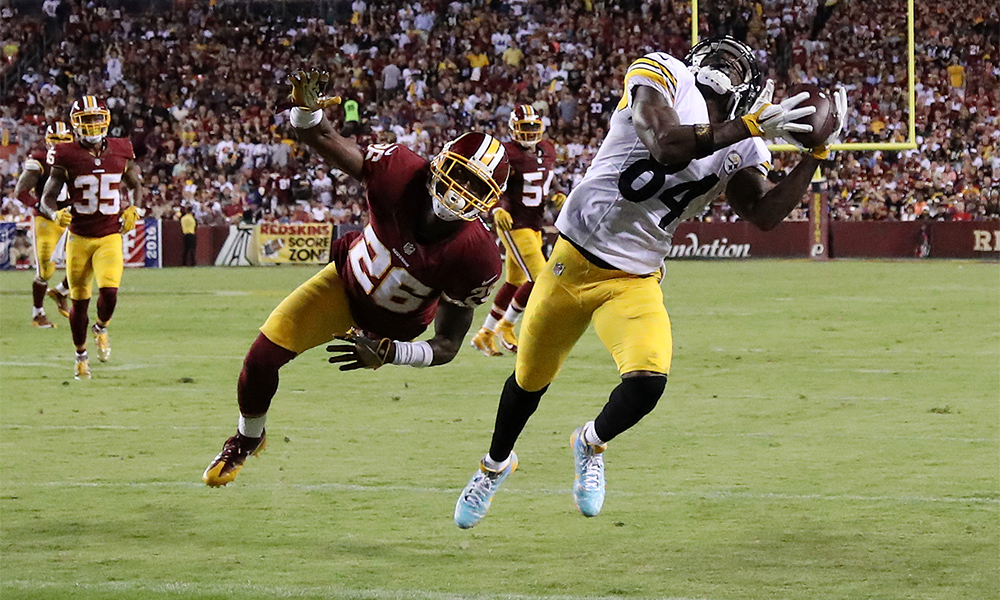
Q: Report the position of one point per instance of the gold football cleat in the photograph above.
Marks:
(486, 342)
(228, 464)
(82, 370)
(62, 301)
(103, 342)
(42, 322)
(505, 333)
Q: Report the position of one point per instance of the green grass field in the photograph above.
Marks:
(830, 431)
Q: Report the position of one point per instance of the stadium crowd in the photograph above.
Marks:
(199, 91)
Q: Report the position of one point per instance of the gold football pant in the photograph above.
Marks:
(87, 258)
(312, 314)
(627, 311)
(47, 234)
(524, 254)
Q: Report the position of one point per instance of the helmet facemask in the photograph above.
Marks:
(467, 177)
(526, 127)
(727, 67)
(57, 134)
(460, 189)
(90, 119)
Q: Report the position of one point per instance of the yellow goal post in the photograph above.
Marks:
(910, 144)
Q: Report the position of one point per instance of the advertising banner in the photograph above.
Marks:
(294, 243)
(143, 246)
(7, 233)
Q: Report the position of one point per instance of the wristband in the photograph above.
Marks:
(704, 140)
(820, 152)
(304, 119)
(417, 354)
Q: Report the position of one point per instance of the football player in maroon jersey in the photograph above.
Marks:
(424, 256)
(93, 169)
(518, 219)
(47, 232)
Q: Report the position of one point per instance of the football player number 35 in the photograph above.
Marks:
(100, 192)
(392, 288)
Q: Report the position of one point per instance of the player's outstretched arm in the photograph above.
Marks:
(315, 129)
(357, 351)
(764, 204)
(450, 326)
(668, 141)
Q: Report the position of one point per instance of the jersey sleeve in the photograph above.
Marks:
(759, 157)
(127, 150)
(650, 72)
(376, 170)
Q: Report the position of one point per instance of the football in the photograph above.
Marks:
(823, 121)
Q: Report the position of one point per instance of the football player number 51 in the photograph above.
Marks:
(98, 193)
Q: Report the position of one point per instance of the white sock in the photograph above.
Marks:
(63, 290)
(513, 315)
(252, 426)
(494, 465)
(490, 324)
(81, 355)
(37, 311)
(590, 435)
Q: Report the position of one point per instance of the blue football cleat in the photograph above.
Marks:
(478, 494)
(588, 487)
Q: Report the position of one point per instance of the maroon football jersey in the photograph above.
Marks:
(528, 184)
(94, 185)
(394, 282)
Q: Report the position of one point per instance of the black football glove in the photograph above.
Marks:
(361, 352)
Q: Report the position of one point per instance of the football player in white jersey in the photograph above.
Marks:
(683, 133)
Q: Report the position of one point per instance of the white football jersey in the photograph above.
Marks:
(627, 206)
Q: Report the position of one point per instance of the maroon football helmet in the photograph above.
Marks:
(57, 133)
(468, 176)
(90, 119)
(526, 125)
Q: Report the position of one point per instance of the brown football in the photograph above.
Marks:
(823, 121)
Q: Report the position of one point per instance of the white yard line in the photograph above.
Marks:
(279, 591)
(343, 487)
(691, 434)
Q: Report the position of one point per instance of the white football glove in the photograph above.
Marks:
(823, 151)
(775, 120)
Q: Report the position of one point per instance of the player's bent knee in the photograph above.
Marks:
(265, 354)
(643, 391)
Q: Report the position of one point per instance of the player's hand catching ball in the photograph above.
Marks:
(775, 120)
(308, 90)
(822, 152)
(62, 217)
(502, 219)
(361, 352)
